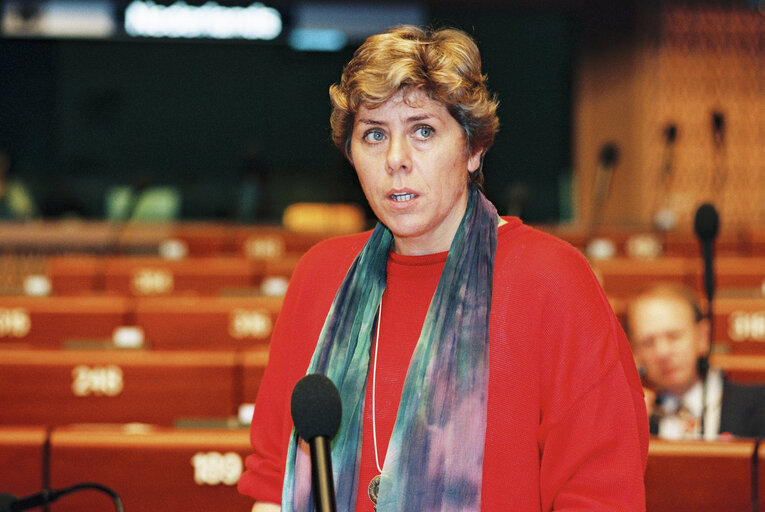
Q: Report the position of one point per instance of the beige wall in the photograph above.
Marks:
(677, 65)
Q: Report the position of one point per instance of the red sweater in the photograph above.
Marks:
(566, 426)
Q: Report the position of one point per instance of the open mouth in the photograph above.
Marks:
(402, 197)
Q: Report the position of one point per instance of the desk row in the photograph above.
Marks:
(215, 238)
(192, 238)
(59, 387)
(166, 323)
(141, 276)
(171, 469)
(629, 241)
(235, 323)
(624, 277)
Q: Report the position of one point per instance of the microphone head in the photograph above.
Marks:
(670, 133)
(609, 154)
(718, 122)
(316, 407)
(707, 222)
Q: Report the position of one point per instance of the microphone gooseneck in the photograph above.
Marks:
(316, 412)
(706, 225)
(10, 503)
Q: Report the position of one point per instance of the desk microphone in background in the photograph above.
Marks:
(706, 225)
(663, 217)
(720, 165)
(316, 411)
(10, 503)
(607, 160)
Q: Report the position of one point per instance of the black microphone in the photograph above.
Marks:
(706, 226)
(718, 127)
(316, 411)
(607, 158)
(670, 134)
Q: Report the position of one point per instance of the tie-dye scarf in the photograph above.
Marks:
(435, 456)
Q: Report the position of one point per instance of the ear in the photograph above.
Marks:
(702, 336)
(348, 154)
(474, 160)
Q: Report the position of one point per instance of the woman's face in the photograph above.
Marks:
(412, 161)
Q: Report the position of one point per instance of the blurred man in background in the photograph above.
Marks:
(670, 339)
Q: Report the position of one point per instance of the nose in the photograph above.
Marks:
(398, 158)
(663, 347)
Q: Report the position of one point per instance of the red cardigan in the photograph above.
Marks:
(566, 426)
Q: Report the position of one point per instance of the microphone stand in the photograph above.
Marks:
(706, 226)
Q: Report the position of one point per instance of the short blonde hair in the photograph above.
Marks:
(443, 63)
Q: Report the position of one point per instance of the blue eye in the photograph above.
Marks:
(424, 132)
(374, 136)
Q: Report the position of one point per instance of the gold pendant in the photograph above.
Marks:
(374, 488)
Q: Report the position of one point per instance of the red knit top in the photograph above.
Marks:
(566, 425)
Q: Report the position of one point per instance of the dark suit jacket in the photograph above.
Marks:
(743, 411)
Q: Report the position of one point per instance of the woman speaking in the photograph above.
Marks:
(479, 364)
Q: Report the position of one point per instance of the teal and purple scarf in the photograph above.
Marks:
(435, 456)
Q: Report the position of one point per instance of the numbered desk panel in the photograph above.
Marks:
(273, 243)
(21, 459)
(152, 276)
(151, 469)
(688, 476)
(58, 387)
(740, 324)
(53, 321)
(207, 323)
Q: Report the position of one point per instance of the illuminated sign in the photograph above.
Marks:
(180, 20)
(57, 18)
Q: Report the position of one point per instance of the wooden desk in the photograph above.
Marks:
(75, 274)
(745, 368)
(625, 277)
(736, 272)
(699, 476)
(207, 323)
(149, 276)
(264, 242)
(81, 237)
(59, 387)
(740, 324)
(253, 366)
(152, 469)
(49, 322)
(21, 459)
